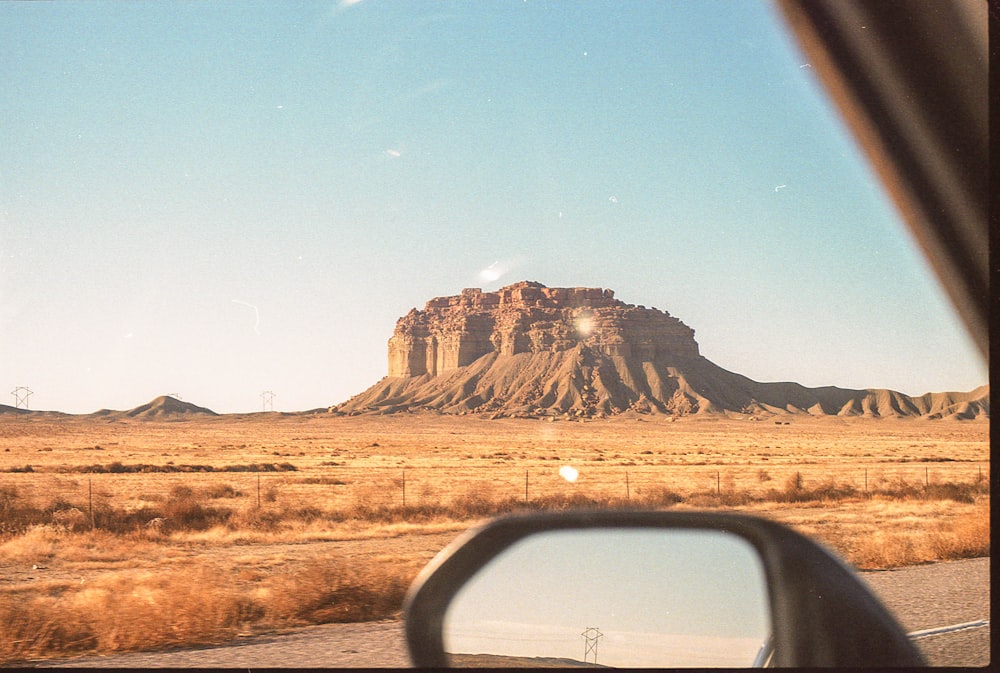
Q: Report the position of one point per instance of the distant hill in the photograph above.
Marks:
(529, 350)
(505, 661)
(161, 408)
(7, 409)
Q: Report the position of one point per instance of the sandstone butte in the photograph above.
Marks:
(528, 350)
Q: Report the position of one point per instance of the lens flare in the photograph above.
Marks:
(493, 272)
(569, 473)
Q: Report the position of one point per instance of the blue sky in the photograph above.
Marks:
(217, 199)
(684, 599)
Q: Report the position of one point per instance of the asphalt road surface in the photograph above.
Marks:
(941, 594)
(922, 598)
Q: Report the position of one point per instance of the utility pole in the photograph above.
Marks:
(591, 635)
(21, 395)
(267, 400)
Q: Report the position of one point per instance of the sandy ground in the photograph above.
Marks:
(343, 462)
(383, 459)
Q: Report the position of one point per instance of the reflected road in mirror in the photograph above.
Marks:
(641, 597)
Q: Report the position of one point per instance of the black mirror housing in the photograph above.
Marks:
(822, 613)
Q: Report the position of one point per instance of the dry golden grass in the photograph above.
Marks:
(882, 533)
(352, 507)
(192, 605)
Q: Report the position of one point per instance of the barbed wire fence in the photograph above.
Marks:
(346, 487)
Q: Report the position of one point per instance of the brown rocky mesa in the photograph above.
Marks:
(528, 317)
(528, 350)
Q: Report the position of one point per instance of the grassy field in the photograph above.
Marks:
(123, 534)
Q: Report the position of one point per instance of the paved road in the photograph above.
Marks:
(941, 594)
(922, 597)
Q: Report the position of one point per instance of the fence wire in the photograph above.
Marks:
(341, 487)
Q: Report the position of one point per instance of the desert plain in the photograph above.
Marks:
(122, 534)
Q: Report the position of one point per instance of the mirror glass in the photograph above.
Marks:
(641, 597)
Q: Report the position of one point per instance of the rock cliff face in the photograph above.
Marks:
(527, 317)
(533, 351)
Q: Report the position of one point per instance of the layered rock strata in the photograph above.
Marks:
(532, 351)
(527, 317)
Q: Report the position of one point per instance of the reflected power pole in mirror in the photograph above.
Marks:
(591, 635)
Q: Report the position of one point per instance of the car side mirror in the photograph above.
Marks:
(645, 589)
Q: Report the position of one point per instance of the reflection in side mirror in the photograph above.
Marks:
(633, 597)
(646, 588)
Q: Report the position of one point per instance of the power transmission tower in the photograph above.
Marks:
(267, 400)
(591, 635)
(21, 395)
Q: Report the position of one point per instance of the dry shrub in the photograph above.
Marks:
(17, 514)
(255, 519)
(957, 492)
(796, 491)
(35, 545)
(829, 490)
(325, 481)
(422, 513)
(124, 613)
(70, 519)
(897, 487)
(9, 498)
(223, 491)
(195, 606)
(704, 500)
(159, 610)
(31, 628)
(661, 496)
(794, 484)
(714, 499)
(183, 509)
(967, 537)
(477, 501)
(882, 549)
(43, 543)
(735, 498)
(308, 514)
(325, 591)
(563, 501)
